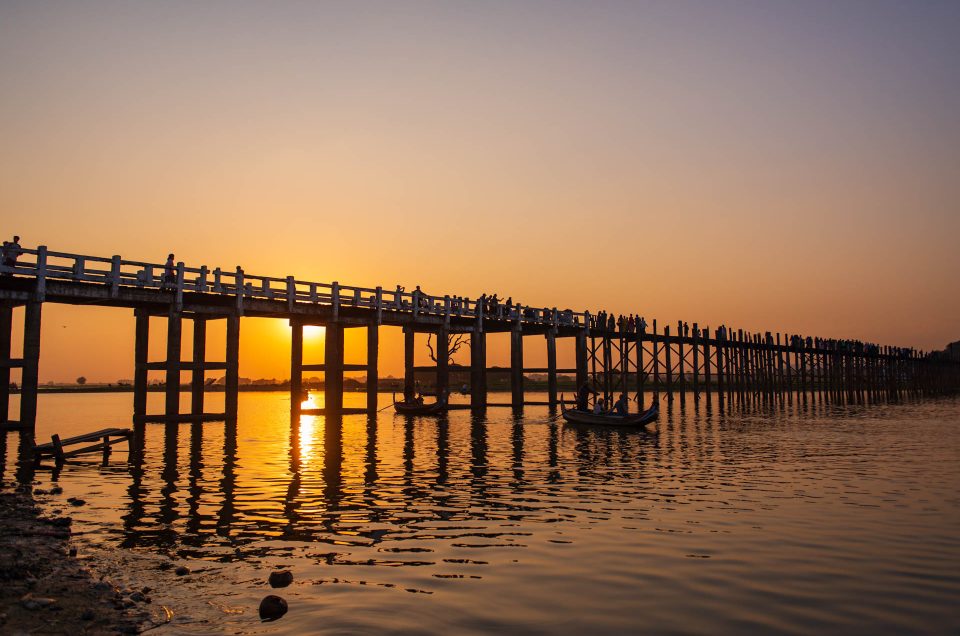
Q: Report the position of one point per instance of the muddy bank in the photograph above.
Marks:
(44, 588)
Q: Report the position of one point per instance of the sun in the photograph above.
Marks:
(313, 333)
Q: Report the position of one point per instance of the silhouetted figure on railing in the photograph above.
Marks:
(169, 276)
(11, 252)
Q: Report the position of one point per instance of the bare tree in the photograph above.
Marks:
(455, 342)
(81, 380)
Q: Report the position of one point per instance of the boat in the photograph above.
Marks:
(576, 416)
(419, 408)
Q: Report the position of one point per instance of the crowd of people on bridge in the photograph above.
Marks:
(604, 322)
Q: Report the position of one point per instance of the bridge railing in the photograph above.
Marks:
(115, 272)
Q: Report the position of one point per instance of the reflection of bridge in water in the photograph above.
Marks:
(367, 490)
(615, 359)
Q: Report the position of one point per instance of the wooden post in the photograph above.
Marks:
(6, 335)
(31, 367)
(593, 361)
(581, 355)
(199, 359)
(516, 366)
(233, 367)
(668, 363)
(656, 358)
(802, 365)
(140, 363)
(57, 449)
(780, 386)
(706, 360)
(681, 362)
(296, 367)
(333, 366)
(174, 326)
(373, 373)
(443, 361)
(641, 376)
(552, 366)
(788, 364)
(409, 342)
(606, 343)
(741, 363)
(478, 369)
(696, 360)
(718, 352)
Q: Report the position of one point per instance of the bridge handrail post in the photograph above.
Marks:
(41, 291)
(217, 285)
(379, 305)
(79, 265)
(335, 299)
(238, 277)
(313, 293)
(115, 276)
(202, 279)
(416, 303)
(555, 318)
(179, 297)
(291, 293)
(446, 310)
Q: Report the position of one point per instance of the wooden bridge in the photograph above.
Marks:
(615, 360)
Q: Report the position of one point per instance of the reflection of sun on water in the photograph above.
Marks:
(307, 433)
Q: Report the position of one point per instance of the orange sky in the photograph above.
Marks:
(792, 168)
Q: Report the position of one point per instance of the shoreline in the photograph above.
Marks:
(44, 586)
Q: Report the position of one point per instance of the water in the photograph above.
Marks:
(792, 518)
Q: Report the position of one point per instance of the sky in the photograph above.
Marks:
(783, 166)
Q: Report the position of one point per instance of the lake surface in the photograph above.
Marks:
(795, 517)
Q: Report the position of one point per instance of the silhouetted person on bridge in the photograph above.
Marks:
(169, 277)
(11, 251)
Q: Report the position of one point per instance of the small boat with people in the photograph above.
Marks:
(416, 406)
(577, 416)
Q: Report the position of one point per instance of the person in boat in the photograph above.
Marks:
(583, 396)
(600, 406)
(620, 408)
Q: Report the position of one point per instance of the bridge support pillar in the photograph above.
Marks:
(668, 362)
(641, 376)
(606, 344)
(409, 340)
(373, 376)
(141, 345)
(198, 377)
(174, 332)
(31, 367)
(478, 369)
(296, 367)
(516, 367)
(6, 335)
(552, 367)
(333, 369)
(581, 355)
(443, 362)
(233, 367)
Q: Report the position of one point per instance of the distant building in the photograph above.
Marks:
(953, 350)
